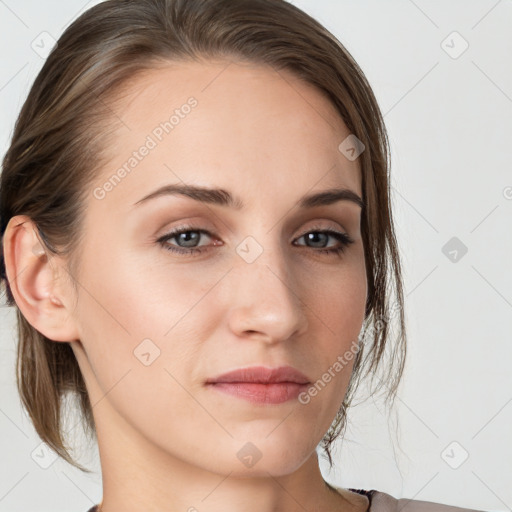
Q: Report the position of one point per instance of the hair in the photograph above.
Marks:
(59, 139)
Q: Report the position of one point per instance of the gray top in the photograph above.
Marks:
(382, 502)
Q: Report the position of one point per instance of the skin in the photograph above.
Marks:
(166, 441)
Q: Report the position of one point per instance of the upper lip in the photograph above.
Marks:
(262, 374)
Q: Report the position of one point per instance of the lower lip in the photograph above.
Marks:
(275, 393)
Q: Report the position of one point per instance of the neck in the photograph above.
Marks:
(142, 477)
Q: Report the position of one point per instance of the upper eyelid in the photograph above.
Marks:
(209, 232)
(200, 226)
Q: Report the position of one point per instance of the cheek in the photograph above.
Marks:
(132, 313)
(338, 304)
(339, 298)
(140, 328)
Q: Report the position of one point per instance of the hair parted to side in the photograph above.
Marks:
(56, 152)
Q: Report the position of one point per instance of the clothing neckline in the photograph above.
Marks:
(364, 492)
(368, 493)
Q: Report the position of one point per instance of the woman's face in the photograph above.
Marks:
(155, 320)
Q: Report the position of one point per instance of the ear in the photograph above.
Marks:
(41, 290)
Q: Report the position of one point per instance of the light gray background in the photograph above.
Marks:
(449, 118)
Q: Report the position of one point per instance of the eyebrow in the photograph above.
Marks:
(222, 197)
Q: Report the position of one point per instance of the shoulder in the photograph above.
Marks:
(383, 502)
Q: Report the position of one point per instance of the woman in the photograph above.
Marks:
(198, 239)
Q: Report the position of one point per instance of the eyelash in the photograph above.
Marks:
(343, 238)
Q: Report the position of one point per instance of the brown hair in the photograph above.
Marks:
(55, 155)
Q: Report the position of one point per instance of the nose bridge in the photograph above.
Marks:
(262, 259)
(268, 300)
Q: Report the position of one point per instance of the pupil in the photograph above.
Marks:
(312, 236)
(191, 235)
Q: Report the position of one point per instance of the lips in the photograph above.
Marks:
(261, 375)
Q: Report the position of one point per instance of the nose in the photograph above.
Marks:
(265, 299)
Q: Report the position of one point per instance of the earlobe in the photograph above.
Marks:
(33, 276)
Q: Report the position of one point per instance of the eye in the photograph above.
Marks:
(187, 238)
(320, 236)
(183, 236)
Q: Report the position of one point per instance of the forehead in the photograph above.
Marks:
(228, 124)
